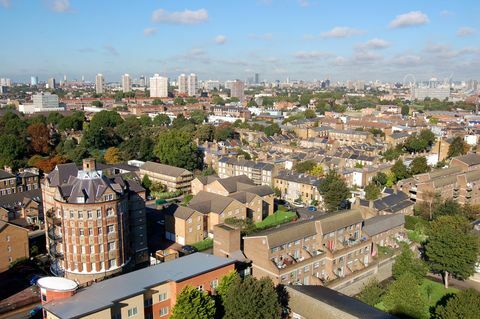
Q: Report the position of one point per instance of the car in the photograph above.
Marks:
(312, 208)
(187, 250)
(36, 312)
(297, 204)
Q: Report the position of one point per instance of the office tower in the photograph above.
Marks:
(33, 80)
(95, 225)
(192, 84)
(83, 78)
(142, 82)
(158, 86)
(51, 84)
(126, 85)
(65, 78)
(182, 84)
(99, 81)
(5, 82)
(45, 101)
(236, 88)
(257, 78)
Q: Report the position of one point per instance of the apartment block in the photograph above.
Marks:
(311, 252)
(261, 173)
(14, 243)
(147, 293)
(297, 187)
(173, 178)
(350, 137)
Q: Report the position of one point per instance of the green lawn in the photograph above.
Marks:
(203, 244)
(279, 217)
(437, 292)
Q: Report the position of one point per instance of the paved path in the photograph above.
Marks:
(452, 282)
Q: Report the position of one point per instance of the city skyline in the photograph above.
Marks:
(278, 39)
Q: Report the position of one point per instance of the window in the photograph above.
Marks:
(189, 220)
(190, 230)
(99, 213)
(10, 259)
(90, 214)
(147, 302)
(111, 246)
(163, 311)
(99, 230)
(81, 231)
(92, 249)
(110, 229)
(44, 297)
(162, 297)
(101, 248)
(198, 227)
(200, 287)
(109, 212)
(90, 232)
(132, 312)
(80, 214)
(214, 284)
(112, 263)
(8, 238)
(83, 250)
(71, 214)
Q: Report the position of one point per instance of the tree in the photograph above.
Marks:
(372, 292)
(317, 170)
(146, 182)
(405, 110)
(392, 154)
(272, 129)
(419, 165)
(334, 191)
(161, 120)
(305, 166)
(449, 207)
(465, 304)
(457, 147)
(224, 132)
(217, 100)
(400, 170)
(97, 103)
(407, 262)
(405, 299)
(193, 304)
(372, 191)
(225, 283)
(12, 150)
(112, 155)
(451, 248)
(198, 116)
(175, 147)
(380, 179)
(157, 102)
(178, 101)
(205, 132)
(39, 137)
(101, 134)
(310, 114)
(252, 298)
(180, 121)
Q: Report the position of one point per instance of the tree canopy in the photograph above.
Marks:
(334, 191)
(175, 147)
(465, 304)
(193, 304)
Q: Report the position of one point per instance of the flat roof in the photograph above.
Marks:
(104, 294)
(57, 283)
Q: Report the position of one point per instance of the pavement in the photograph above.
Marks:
(459, 284)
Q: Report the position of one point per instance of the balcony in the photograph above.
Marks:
(53, 236)
(52, 219)
(284, 261)
(56, 269)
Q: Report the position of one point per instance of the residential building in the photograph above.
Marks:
(297, 187)
(182, 84)
(99, 83)
(259, 172)
(14, 243)
(147, 293)
(25, 180)
(386, 230)
(173, 178)
(350, 137)
(192, 85)
(311, 252)
(22, 208)
(395, 203)
(236, 88)
(126, 83)
(441, 93)
(211, 85)
(8, 182)
(95, 225)
(158, 86)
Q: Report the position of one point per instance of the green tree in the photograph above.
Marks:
(272, 129)
(419, 165)
(372, 292)
(161, 120)
(305, 166)
(407, 262)
(217, 100)
(224, 132)
(252, 298)
(316, 171)
(178, 101)
(175, 147)
(97, 103)
(405, 299)
(112, 155)
(451, 247)
(157, 102)
(198, 116)
(380, 179)
(13, 149)
(205, 132)
(457, 147)
(405, 110)
(193, 304)
(310, 114)
(392, 154)
(334, 191)
(225, 283)
(372, 191)
(146, 182)
(465, 305)
(400, 170)
(101, 133)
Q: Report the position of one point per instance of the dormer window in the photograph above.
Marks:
(108, 197)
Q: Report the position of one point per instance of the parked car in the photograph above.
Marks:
(187, 250)
(312, 208)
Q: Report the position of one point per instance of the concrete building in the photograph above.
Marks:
(51, 84)
(147, 293)
(192, 85)
(172, 177)
(95, 225)
(236, 88)
(42, 102)
(441, 93)
(158, 86)
(126, 83)
(33, 80)
(182, 84)
(99, 82)
(14, 243)
(211, 85)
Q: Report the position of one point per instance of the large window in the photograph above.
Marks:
(163, 311)
(132, 312)
(162, 297)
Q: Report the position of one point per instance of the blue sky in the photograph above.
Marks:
(300, 39)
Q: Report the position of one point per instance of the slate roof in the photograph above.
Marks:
(287, 233)
(106, 293)
(333, 221)
(206, 202)
(181, 212)
(164, 169)
(470, 159)
(379, 224)
(11, 201)
(393, 202)
(62, 173)
(4, 174)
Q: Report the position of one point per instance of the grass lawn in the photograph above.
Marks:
(436, 293)
(203, 244)
(279, 217)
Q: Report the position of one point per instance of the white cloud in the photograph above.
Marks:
(376, 43)
(220, 39)
(311, 55)
(340, 60)
(5, 3)
(149, 31)
(342, 32)
(407, 60)
(465, 31)
(60, 6)
(409, 19)
(367, 56)
(180, 17)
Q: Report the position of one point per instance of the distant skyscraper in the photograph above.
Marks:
(65, 78)
(236, 89)
(51, 83)
(83, 78)
(257, 78)
(126, 85)
(182, 84)
(99, 83)
(192, 84)
(158, 86)
(5, 82)
(33, 80)
(142, 82)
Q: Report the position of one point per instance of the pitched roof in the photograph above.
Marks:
(382, 223)
(287, 233)
(106, 293)
(392, 200)
(4, 174)
(231, 183)
(333, 221)
(181, 212)
(469, 159)
(164, 169)
(206, 202)
(61, 173)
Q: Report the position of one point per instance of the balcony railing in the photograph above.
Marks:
(53, 236)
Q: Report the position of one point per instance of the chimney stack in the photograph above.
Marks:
(89, 165)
